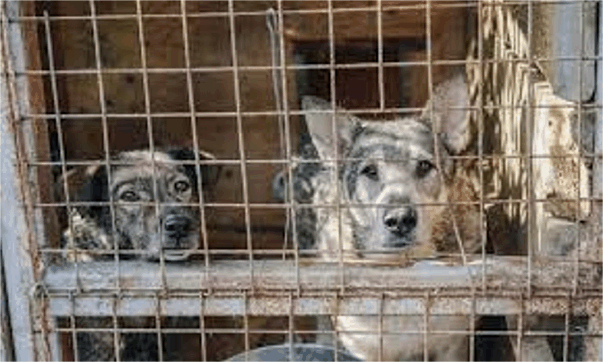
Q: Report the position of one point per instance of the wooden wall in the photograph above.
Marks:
(213, 89)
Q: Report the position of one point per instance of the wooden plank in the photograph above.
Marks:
(37, 105)
(213, 91)
(401, 20)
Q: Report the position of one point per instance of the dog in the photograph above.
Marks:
(305, 168)
(404, 173)
(154, 214)
(148, 218)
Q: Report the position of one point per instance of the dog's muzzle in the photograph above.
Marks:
(177, 227)
(401, 222)
(179, 237)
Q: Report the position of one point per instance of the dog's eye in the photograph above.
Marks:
(181, 186)
(423, 168)
(129, 196)
(370, 171)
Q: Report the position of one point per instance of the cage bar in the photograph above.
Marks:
(528, 62)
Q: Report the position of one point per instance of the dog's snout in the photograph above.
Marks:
(400, 221)
(177, 225)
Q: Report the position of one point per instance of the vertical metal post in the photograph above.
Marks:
(598, 170)
(16, 259)
(14, 228)
(6, 344)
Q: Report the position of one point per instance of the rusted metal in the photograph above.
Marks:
(137, 305)
(21, 224)
(504, 276)
(594, 347)
(6, 343)
(564, 286)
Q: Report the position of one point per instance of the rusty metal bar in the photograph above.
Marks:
(147, 106)
(99, 306)
(6, 343)
(334, 135)
(214, 14)
(529, 124)
(282, 161)
(20, 223)
(504, 275)
(594, 348)
(191, 106)
(317, 66)
(240, 132)
(286, 134)
(228, 114)
(598, 165)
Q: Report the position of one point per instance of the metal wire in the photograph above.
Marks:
(214, 14)
(227, 289)
(287, 134)
(314, 66)
(240, 138)
(191, 105)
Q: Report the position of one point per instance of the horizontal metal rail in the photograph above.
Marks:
(368, 289)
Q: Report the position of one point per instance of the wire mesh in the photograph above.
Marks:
(171, 131)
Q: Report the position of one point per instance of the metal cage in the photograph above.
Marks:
(84, 80)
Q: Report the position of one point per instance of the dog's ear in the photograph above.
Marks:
(95, 188)
(450, 117)
(319, 120)
(209, 173)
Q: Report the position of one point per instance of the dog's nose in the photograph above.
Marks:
(400, 221)
(177, 225)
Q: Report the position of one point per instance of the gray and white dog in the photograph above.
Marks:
(397, 182)
(154, 211)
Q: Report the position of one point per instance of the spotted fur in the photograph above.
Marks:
(401, 170)
(140, 222)
(147, 223)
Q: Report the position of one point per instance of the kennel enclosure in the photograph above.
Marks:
(83, 80)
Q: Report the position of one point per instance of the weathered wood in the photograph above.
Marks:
(37, 105)
(213, 91)
(353, 20)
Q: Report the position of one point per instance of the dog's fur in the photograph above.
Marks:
(149, 219)
(144, 223)
(304, 177)
(414, 182)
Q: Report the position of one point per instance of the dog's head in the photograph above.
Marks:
(155, 201)
(392, 174)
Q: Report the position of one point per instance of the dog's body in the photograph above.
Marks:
(396, 189)
(306, 175)
(154, 215)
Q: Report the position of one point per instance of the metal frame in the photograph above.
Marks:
(598, 165)
(505, 275)
(295, 287)
(19, 227)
